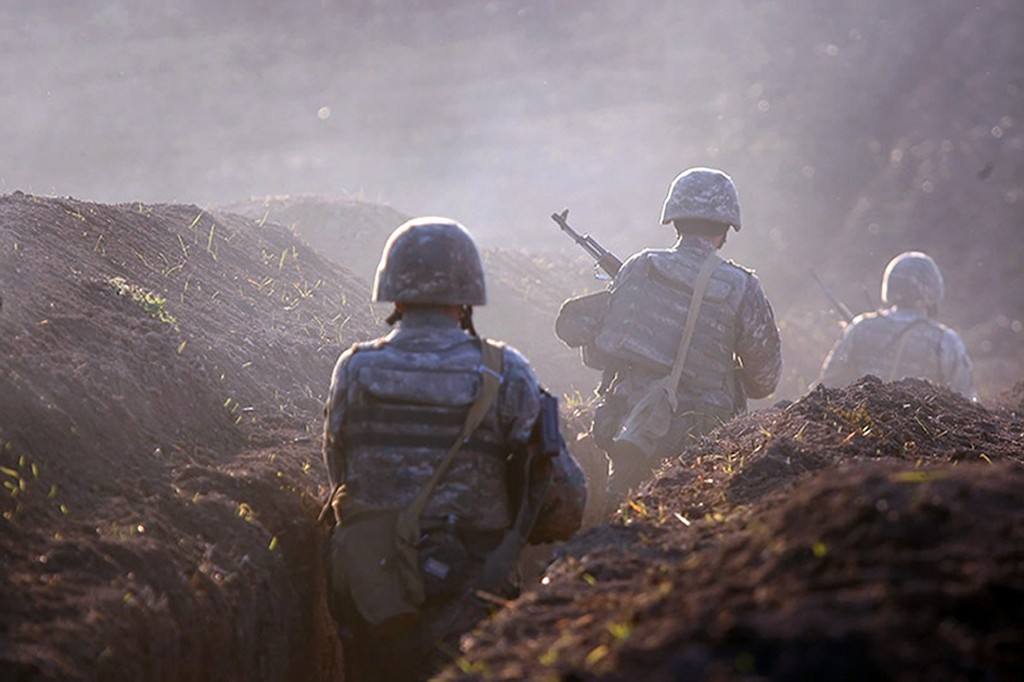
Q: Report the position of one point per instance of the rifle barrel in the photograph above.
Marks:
(839, 306)
(606, 260)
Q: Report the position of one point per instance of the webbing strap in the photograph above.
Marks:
(699, 289)
(490, 371)
(900, 349)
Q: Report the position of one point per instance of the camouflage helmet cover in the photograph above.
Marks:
(912, 279)
(704, 193)
(430, 260)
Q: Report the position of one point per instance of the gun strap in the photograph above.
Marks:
(699, 289)
(491, 357)
(901, 348)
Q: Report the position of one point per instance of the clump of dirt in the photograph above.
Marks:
(911, 420)
(348, 231)
(162, 375)
(870, 532)
(162, 371)
(1011, 399)
(524, 288)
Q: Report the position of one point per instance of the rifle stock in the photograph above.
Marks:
(545, 445)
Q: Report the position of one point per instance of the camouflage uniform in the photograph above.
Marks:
(396, 405)
(927, 349)
(735, 351)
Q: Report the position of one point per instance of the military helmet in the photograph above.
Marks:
(912, 279)
(704, 193)
(430, 260)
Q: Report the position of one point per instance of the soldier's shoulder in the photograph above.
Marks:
(366, 346)
(640, 257)
(870, 319)
(951, 336)
(733, 265)
(515, 363)
(361, 351)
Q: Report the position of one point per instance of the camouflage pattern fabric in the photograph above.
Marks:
(644, 324)
(735, 352)
(702, 194)
(430, 260)
(395, 407)
(932, 351)
(396, 404)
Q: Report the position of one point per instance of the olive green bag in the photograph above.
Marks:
(373, 559)
(651, 418)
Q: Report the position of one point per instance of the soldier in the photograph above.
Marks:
(393, 419)
(904, 339)
(684, 338)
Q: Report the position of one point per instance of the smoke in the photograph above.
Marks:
(840, 122)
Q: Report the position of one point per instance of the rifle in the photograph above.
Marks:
(545, 445)
(606, 260)
(837, 305)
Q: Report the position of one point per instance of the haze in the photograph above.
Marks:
(853, 129)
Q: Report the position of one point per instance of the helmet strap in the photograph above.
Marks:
(394, 317)
(466, 320)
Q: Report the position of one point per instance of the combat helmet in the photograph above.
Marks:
(912, 279)
(430, 260)
(702, 193)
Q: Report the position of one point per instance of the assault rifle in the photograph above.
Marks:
(606, 260)
(545, 444)
(837, 305)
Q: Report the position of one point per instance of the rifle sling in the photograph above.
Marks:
(901, 348)
(699, 289)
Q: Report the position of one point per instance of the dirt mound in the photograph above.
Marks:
(1011, 399)
(524, 288)
(161, 375)
(348, 231)
(896, 557)
(162, 372)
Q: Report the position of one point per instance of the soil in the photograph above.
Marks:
(524, 288)
(873, 532)
(162, 371)
(161, 374)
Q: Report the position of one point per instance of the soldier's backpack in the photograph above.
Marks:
(373, 560)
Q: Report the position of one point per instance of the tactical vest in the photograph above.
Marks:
(876, 344)
(644, 323)
(399, 427)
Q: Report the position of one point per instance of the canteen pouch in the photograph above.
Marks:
(374, 565)
(647, 423)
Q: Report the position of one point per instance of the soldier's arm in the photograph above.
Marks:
(956, 365)
(334, 411)
(561, 511)
(758, 347)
